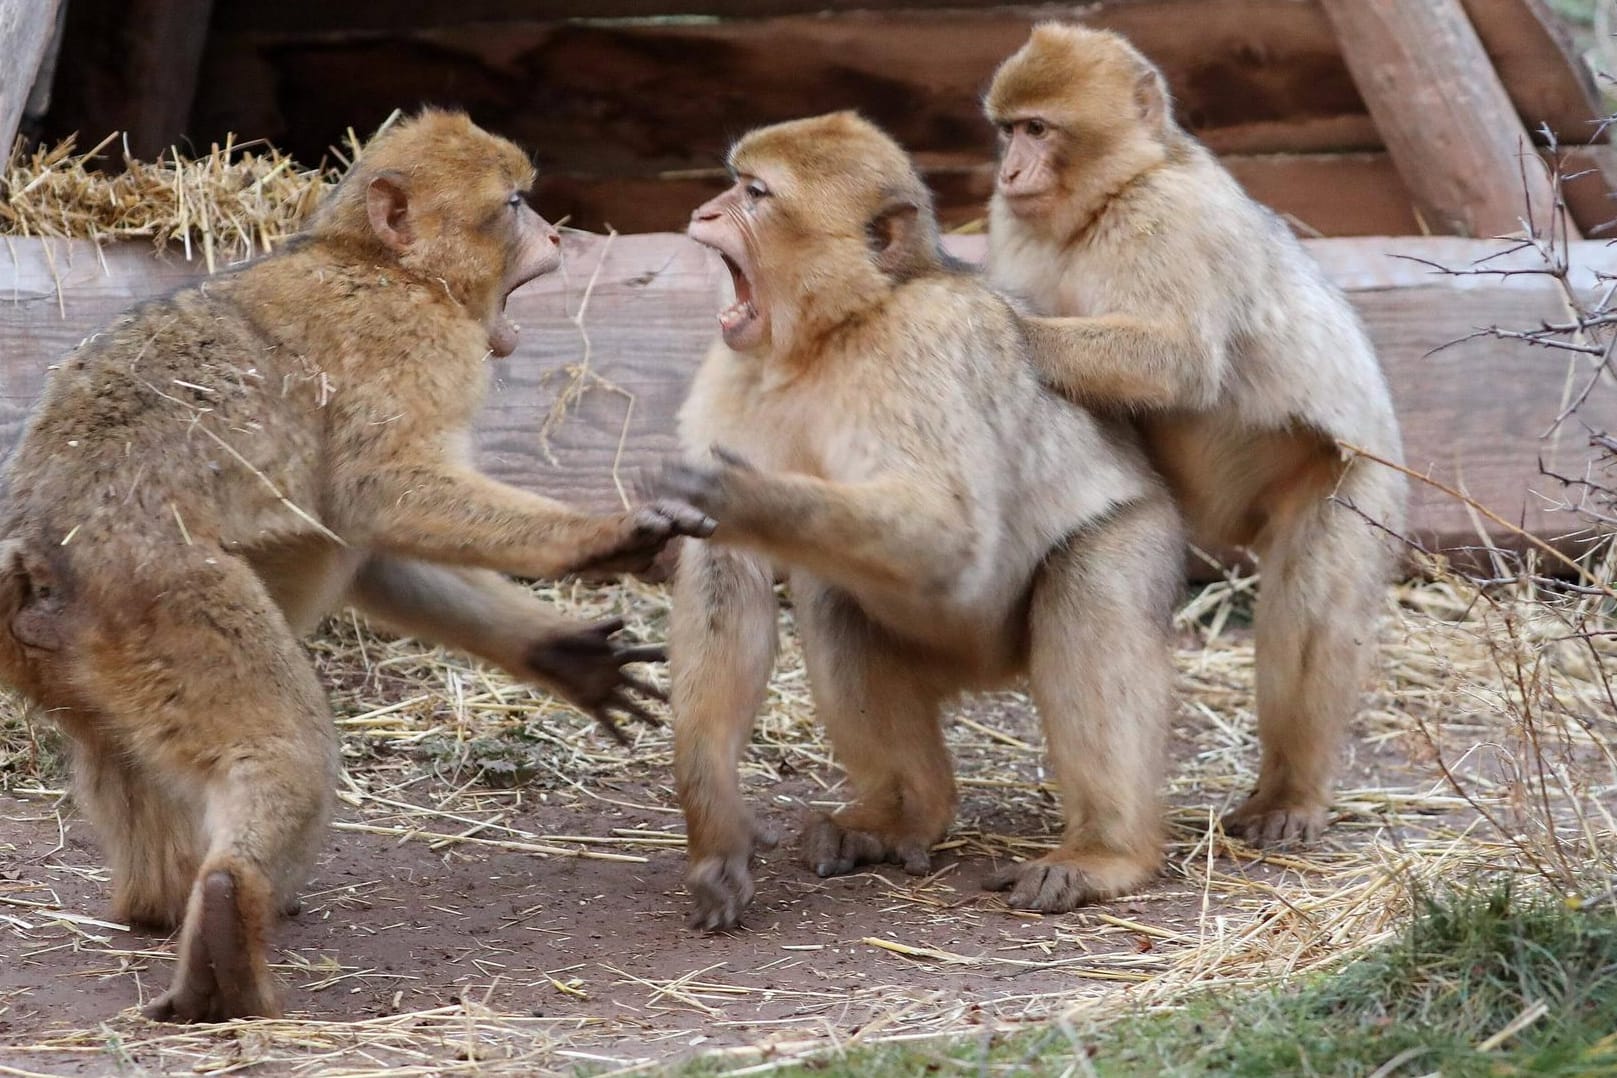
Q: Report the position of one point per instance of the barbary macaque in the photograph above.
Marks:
(216, 470)
(871, 424)
(1194, 310)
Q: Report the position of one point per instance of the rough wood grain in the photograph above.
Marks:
(25, 33)
(1473, 413)
(1443, 112)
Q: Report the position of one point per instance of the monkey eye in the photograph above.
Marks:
(1037, 128)
(757, 189)
(515, 200)
(1007, 129)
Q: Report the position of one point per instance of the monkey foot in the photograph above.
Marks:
(1262, 820)
(1060, 882)
(219, 978)
(720, 885)
(832, 849)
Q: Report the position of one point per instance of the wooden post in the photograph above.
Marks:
(25, 32)
(1443, 114)
(131, 66)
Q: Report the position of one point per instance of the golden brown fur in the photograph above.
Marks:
(881, 436)
(209, 475)
(1194, 309)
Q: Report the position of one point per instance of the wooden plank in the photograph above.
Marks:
(25, 34)
(1443, 112)
(1473, 414)
(131, 66)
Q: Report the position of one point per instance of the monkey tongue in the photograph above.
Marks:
(502, 336)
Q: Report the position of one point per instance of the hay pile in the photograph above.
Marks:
(236, 202)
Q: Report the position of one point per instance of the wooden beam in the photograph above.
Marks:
(1546, 79)
(1474, 414)
(25, 34)
(131, 66)
(1444, 114)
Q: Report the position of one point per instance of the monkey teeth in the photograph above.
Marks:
(736, 315)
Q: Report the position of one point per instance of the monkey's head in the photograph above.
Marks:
(446, 200)
(826, 216)
(1080, 113)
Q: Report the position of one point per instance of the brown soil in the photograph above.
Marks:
(579, 960)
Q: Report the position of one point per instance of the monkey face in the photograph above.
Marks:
(1029, 169)
(726, 223)
(533, 248)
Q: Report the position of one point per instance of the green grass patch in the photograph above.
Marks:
(1482, 983)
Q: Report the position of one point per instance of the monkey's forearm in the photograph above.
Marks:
(856, 535)
(475, 610)
(469, 519)
(1121, 360)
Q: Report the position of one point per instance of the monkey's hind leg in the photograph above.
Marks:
(1101, 672)
(1320, 597)
(150, 829)
(881, 711)
(203, 683)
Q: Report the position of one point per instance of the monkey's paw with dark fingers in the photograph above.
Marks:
(1270, 821)
(646, 531)
(720, 885)
(1058, 883)
(830, 849)
(707, 486)
(586, 669)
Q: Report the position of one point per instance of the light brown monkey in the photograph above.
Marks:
(213, 472)
(1194, 309)
(884, 439)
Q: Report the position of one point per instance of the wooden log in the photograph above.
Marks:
(25, 34)
(130, 66)
(1474, 414)
(1546, 79)
(1443, 112)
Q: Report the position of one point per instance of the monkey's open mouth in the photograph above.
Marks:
(736, 319)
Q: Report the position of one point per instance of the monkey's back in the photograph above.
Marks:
(181, 409)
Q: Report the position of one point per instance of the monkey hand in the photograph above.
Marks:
(720, 880)
(710, 487)
(643, 534)
(586, 669)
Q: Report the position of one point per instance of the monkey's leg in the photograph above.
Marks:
(1320, 597)
(1101, 672)
(881, 711)
(721, 642)
(150, 829)
(200, 678)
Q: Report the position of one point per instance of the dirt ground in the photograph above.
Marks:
(437, 938)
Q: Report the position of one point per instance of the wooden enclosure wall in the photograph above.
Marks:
(1473, 414)
(628, 105)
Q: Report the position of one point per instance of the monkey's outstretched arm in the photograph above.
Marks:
(1128, 361)
(857, 535)
(462, 517)
(495, 619)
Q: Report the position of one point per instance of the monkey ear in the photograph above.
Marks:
(388, 206)
(1151, 98)
(891, 234)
